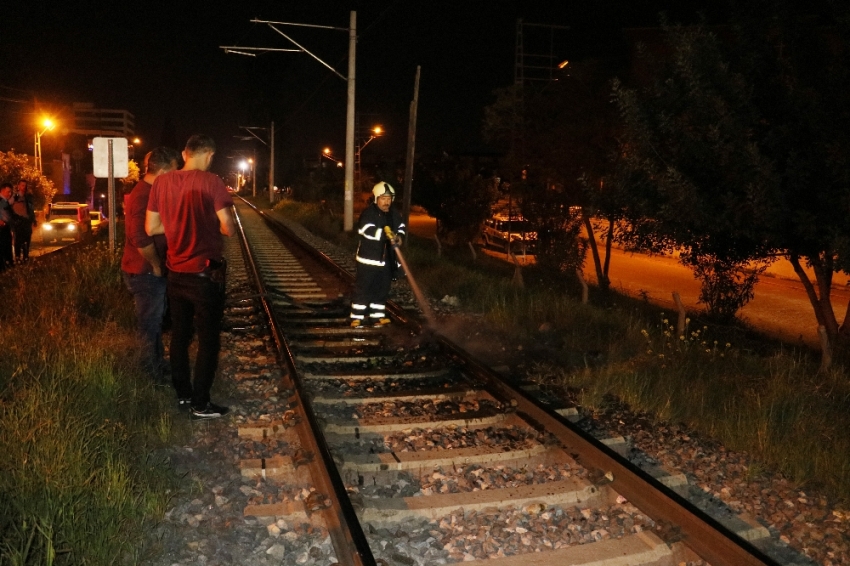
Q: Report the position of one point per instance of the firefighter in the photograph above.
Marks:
(376, 261)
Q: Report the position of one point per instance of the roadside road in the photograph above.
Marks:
(780, 307)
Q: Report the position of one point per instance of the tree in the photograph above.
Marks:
(558, 134)
(736, 148)
(458, 195)
(132, 173)
(15, 167)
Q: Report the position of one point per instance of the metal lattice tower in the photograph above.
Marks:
(536, 66)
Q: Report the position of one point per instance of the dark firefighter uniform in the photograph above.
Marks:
(376, 260)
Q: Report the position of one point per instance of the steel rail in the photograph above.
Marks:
(701, 532)
(343, 527)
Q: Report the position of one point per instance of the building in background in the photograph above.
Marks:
(105, 122)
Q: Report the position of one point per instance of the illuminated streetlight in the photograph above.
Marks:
(48, 125)
(253, 177)
(327, 153)
(375, 132)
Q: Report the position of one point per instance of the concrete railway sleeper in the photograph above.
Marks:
(407, 451)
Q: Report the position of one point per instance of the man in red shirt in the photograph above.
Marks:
(143, 263)
(191, 207)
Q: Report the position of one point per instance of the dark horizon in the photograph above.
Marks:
(166, 67)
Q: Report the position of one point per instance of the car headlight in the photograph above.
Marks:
(47, 227)
(72, 227)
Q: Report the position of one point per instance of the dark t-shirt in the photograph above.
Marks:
(135, 207)
(187, 203)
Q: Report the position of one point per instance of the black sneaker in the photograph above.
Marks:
(183, 405)
(211, 411)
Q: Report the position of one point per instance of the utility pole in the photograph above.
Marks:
(348, 205)
(348, 217)
(271, 165)
(411, 145)
(254, 174)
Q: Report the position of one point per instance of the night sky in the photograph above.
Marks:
(162, 62)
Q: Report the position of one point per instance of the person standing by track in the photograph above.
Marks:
(7, 258)
(376, 261)
(24, 222)
(192, 208)
(143, 264)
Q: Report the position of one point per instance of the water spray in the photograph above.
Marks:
(417, 292)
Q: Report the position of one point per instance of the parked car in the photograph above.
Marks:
(98, 221)
(66, 220)
(512, 233)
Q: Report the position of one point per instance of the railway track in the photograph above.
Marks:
(407, 451)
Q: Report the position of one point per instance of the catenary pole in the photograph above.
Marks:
(411, 147)
(271, 164)
(348, 206)
(348, 216)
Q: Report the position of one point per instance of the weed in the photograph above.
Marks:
(76, 482)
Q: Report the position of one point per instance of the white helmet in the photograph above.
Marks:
(383, 189)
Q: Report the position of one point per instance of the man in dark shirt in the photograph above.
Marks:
(24, 209)
(191, 207)
(6, 219)
(143, 264)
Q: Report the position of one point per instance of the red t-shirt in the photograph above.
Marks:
(135, 204)
(187, 203)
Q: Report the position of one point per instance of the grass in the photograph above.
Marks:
(78, 421)
(750, 393)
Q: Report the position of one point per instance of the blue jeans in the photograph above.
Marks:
(149, 295)
(197, 305)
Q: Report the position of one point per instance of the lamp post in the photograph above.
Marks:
(327, 154)
(48, 125)
(253, 177)
(270, 145)
(374, 133)
(131, 147)
(243, 165)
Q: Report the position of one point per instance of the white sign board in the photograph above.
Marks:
(100, 156)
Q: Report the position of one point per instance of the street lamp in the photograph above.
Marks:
(375, 132)
(327, 153)
(253, 177)
(270, 145)
(48, 125)
(243, 165)
(131, 147)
